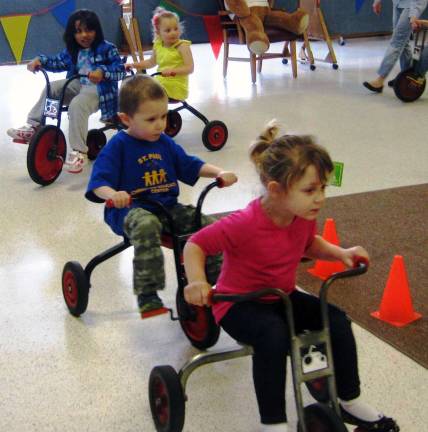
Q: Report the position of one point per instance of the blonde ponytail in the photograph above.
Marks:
(263, 141)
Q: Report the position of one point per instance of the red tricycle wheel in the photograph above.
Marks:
(321, 418)
(198, 323)
(173, 123)
(166, 399)
(75, 288)
(214, 135)
(46, 155)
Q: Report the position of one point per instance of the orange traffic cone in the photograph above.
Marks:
(324, 269)
(396, 307)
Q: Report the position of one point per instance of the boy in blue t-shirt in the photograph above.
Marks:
(146, 161)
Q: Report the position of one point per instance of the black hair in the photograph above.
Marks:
(91, 21)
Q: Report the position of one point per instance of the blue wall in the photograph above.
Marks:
(45, 33)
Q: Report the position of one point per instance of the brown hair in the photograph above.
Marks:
(137, 90)
(286, 158)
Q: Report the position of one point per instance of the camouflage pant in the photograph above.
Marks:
(144, 232)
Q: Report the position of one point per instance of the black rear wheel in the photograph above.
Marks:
(166, 399)
(409, 86)
(214, 135)
(75, 288)
(95, 141)
(46, 155)
(173, 123)
(321, 418)
(198, 323)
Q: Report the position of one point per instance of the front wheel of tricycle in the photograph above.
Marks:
(166, 399)
(46, 155)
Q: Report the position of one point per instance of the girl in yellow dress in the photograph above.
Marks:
(171, 54)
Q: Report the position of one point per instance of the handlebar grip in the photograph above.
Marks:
(361, 262)
(110, 204)
(220, 182)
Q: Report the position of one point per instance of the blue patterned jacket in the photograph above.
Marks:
(105, 57)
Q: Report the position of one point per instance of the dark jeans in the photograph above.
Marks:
(264, 327)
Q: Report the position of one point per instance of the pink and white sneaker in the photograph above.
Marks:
(75, 162)
(23, 134)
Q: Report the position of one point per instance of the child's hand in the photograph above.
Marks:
(197, 293)
(96, 76)
(121, 199)
(168, 73)
(228, 178)
(34, 65)
(128, 66)
(377, 7)
(351, 255)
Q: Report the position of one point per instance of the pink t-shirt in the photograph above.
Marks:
(257, 253)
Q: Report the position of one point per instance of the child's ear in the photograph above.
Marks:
(273, 187)
(124, 118)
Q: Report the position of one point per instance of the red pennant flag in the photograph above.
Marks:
(215, 33)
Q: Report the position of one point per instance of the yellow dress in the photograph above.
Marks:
(177, 87)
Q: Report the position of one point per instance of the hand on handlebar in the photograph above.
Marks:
(168, 73)
(96, 76)
(119, 199)
(226, 178)
(355, 255)
(34, 65)
(198, 293)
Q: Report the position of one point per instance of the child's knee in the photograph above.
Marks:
(140, 223)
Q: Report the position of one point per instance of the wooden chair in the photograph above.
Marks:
(234, 34)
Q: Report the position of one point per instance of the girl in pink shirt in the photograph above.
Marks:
(262, 246)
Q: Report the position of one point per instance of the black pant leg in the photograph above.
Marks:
(264, 328)
(307, 315)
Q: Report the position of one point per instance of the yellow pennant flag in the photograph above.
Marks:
(15, 28)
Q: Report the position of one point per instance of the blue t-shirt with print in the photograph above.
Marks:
(150, 168)
(84, 66)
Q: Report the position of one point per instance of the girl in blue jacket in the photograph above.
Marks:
(86, 53)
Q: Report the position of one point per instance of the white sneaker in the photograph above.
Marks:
(23, 134)
(75, 162)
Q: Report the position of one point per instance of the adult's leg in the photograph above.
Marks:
(81, 107)
(143, 230)
(35, 115)
(399, 44)
(264, 328)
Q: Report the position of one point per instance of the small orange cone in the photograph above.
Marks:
(396, 307)
(324, 269)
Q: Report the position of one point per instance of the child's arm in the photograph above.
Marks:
(113, 68)
(188, 66)
(120, 199)
(324, 250)
(145, 64)
(34, 65)
(211, 171)
(198, 289)
(59, 63)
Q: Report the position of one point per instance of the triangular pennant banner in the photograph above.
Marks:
(15, 29)
(358, 4)
(170, 7)
(63, 11)
(215, 33)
